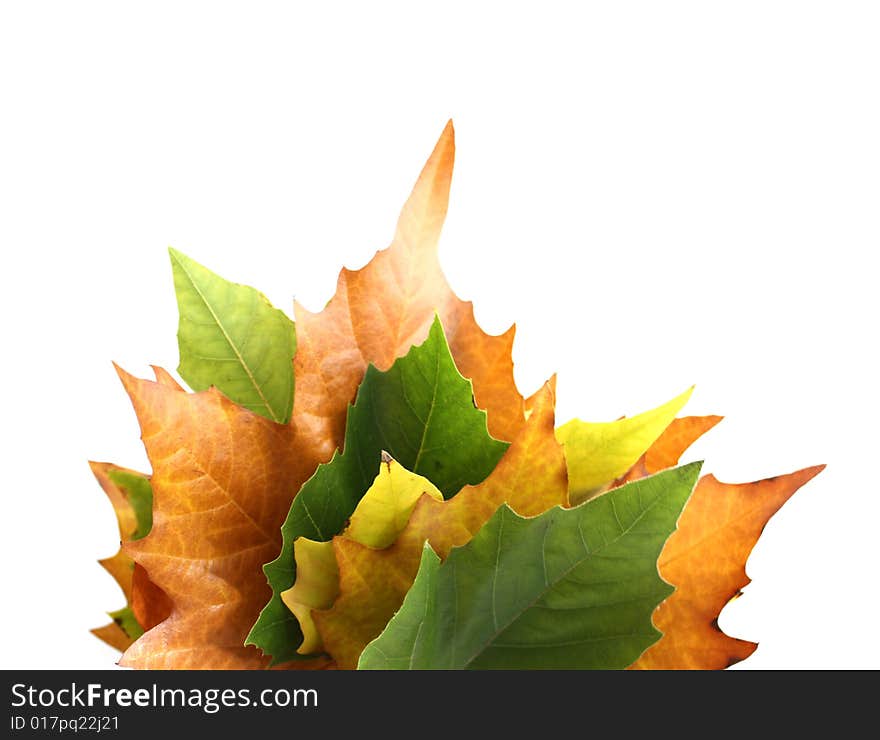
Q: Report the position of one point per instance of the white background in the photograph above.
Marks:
(658, 194)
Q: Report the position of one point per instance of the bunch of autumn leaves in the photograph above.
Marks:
(404, 506)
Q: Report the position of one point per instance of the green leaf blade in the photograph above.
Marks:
(420, 411)
(571, 588)
(231, 337)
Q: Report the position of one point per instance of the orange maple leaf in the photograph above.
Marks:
(705, 556)
(380, 311)
(223, 479)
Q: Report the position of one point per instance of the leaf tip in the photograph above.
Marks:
(163, 377)
(688, 473)
(126, 377)
(176, 256)
(441, 160)
(428, 553)
(437, 324)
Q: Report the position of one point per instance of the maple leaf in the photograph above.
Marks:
(705, 558)
(705, 561)
(386, 307)
(531, 478)
(223, 478)
(231, 337)
(421, 412)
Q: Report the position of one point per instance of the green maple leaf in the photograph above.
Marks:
(231, 337)
(570, 588)
(421, 411)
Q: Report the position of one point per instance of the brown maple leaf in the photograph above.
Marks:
(380, 311)
(531, 478)
(705, 560)
(705, 556)
(223, 479)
